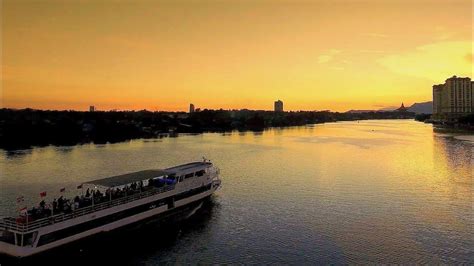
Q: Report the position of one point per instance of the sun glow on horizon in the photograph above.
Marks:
(316, 55)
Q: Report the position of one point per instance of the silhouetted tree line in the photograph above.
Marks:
(467, 120)
(462, 122)
(28, 127)
(422, 117)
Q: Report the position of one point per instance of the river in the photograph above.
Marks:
(380, 191)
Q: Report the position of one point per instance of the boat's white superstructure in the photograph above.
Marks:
(189, 184)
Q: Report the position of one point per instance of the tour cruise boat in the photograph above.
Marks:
(114, 202)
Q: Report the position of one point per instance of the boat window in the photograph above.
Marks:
(8, 237)
(18, 239)
(192, 192)
(29, 239)
(189, 175)
(200, 173)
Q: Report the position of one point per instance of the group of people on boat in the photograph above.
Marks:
(91, 197)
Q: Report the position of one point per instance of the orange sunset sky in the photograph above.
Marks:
(163, 55)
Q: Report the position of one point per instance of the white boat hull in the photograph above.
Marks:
(16, 251)
(58, 232)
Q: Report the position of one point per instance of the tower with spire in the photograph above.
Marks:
(402, 108)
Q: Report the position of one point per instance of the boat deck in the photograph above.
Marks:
(12, 224)
(9, 223)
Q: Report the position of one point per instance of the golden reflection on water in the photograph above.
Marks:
(368, 191)
(405, 165)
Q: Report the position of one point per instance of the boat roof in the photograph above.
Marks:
(188, 166)
(120, 180)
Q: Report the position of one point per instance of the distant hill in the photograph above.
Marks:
(360, 111)
(383, 110)
(417, 108)
(388, 109)
(421, 108)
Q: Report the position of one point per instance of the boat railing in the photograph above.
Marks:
(10, 223)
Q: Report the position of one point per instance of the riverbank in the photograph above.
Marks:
(454, 126)
(465, 123)
(22, 129)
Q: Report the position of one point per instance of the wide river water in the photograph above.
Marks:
(393, 191)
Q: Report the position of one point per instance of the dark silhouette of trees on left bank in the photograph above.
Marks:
(20, 129)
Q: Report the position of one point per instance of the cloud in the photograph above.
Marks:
(126, 42)
(470, 58)
(372, 51)
(443, 34)
(324, 58)
(435, 61)
(376, 35)
(328, 56)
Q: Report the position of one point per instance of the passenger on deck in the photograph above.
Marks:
(61, 204)
(67, 206)
(55, 206)
(42, 204)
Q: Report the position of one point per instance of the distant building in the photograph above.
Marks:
(402, 108)
(453, 99)
(191, 108)
(91, 108)
(278, 106)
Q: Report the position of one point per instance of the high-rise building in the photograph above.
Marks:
(278, 106)
(191, 108)
(453, 99)
(437, 94)
(91, 108)
(472, 96)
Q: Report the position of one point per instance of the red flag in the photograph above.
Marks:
(43, 194)
(79, 187)
(20, 199)
(62, 189)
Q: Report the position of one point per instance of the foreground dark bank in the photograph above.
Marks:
(20, 129)
(122, 246)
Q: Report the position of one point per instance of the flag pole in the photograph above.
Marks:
(93, 196)
(26, 216)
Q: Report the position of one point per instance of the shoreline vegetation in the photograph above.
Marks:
(463, 123)
(26, 128)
